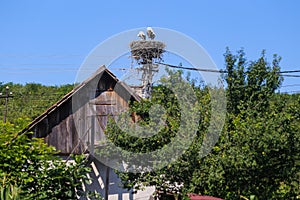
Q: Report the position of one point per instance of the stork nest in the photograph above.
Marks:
(143, 51)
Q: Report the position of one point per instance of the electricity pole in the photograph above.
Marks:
(7, 95)
(146, 53)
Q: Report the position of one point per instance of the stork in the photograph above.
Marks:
(142, 35)
(150, 33)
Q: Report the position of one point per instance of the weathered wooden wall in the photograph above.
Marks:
(66, 125)
(73, 134)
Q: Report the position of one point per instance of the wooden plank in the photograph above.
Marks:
(105, 102)
(92, 135)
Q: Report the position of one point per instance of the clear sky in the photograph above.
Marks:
(47, 41)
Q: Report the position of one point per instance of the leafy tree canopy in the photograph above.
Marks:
(257, 154)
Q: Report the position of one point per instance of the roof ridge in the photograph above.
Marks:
(67, 96)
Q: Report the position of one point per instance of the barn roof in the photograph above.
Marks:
(68, 97)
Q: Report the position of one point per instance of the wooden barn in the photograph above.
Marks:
(71, 123)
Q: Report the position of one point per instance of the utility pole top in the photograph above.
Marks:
(146, 53)
(7, 96)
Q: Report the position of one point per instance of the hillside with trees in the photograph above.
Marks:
(30, 100)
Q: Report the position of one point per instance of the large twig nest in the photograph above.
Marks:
(143, 51)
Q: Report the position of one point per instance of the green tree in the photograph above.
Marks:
(250, 82)
(257, 155)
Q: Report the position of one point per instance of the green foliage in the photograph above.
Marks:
(31, 170)
(162, 120)
(251, 82)
(9, 191)
(257, 155)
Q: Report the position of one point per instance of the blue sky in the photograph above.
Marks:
(47, 41)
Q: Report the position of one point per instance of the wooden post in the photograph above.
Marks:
(92, 147)
(107, 183)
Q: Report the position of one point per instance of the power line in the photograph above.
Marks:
(193, 68)
(288, 75)
(284, 73)
(54, 56)
(54, 69)
(288, 72)
(291, 85)
(38, 64)
(6, 68)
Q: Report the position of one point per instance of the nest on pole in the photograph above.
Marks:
(143, 51)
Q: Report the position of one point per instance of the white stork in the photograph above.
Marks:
(142, 35)
(150, 33)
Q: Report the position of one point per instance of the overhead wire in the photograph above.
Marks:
(289, 71)
(289, 75)
(285, 73)
(6, 67)
(54, 55)
(291, 85)
(192, 68)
